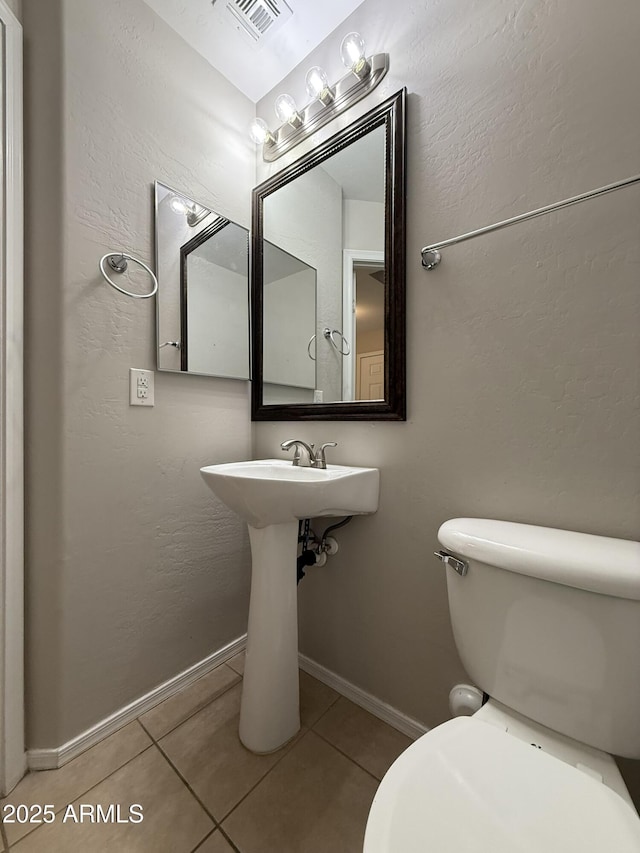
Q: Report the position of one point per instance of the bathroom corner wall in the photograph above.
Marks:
(522, 347)
(134, 570)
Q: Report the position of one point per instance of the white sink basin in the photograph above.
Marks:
(273, 491)
(271, 495)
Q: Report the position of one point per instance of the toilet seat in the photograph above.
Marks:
(469, 787)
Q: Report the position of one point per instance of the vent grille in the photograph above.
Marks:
(257, 18)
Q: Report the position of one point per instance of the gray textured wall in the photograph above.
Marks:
(522, 361)
(522, 347)
(135, 571)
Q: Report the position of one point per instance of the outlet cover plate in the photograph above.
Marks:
(141, 390)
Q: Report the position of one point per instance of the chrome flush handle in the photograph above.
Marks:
(460, 566)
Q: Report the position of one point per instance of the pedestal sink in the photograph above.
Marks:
(271, 495)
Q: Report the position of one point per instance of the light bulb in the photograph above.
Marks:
(259, 132)
(353, 54)
(318, 85)
(178, 205)
(286, 110)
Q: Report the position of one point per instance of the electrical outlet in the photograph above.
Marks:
(141, 387)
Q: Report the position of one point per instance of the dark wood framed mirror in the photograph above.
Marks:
(339, 211)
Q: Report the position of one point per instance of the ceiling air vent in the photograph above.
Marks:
(256, 19)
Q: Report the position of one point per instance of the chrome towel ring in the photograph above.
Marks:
(118, 263)
(311, 340)
(343, 341)
(343, 349)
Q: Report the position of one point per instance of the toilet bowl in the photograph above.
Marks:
(547, 623)
(470, 787)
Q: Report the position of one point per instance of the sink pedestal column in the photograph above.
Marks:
(270, 708)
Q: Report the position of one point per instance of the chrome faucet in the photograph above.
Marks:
(316, 458)
(298, 445)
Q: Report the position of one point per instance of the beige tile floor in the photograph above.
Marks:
(200, 790)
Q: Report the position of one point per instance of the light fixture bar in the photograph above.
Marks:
(347, 91)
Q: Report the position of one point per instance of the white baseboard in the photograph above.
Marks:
(50, 759)
(403, 723)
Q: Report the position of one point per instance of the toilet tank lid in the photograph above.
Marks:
(595, 563)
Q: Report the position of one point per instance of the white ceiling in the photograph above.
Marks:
(210, 29)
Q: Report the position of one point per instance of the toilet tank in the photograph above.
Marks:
(548, 622)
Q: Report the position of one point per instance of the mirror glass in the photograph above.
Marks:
(328, 282)
(202, 263)
(289, 323)
(332, 216)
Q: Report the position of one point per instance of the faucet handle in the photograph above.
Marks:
(320, 461)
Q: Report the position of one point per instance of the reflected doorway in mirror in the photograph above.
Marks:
(363, 316)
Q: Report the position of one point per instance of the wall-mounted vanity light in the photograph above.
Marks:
(326, 102)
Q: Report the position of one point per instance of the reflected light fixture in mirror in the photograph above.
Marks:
(365, 73)
(194, 212)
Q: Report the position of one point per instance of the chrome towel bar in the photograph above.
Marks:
(431, 254)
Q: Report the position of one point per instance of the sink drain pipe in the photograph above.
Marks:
(317, 554)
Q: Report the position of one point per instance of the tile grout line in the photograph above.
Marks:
(154, 742)
(82, 793)
(3, 833)
(303, 735)
(216, 824)
(197, 711)
(206, 838)
(352, 760)
(262, 778)
(229, 840)
(325, 712)
(224, 835)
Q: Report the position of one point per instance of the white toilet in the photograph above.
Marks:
(547, 623)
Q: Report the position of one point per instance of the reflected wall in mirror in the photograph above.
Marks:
(289, 324)
(203, 288)
(338, 213)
